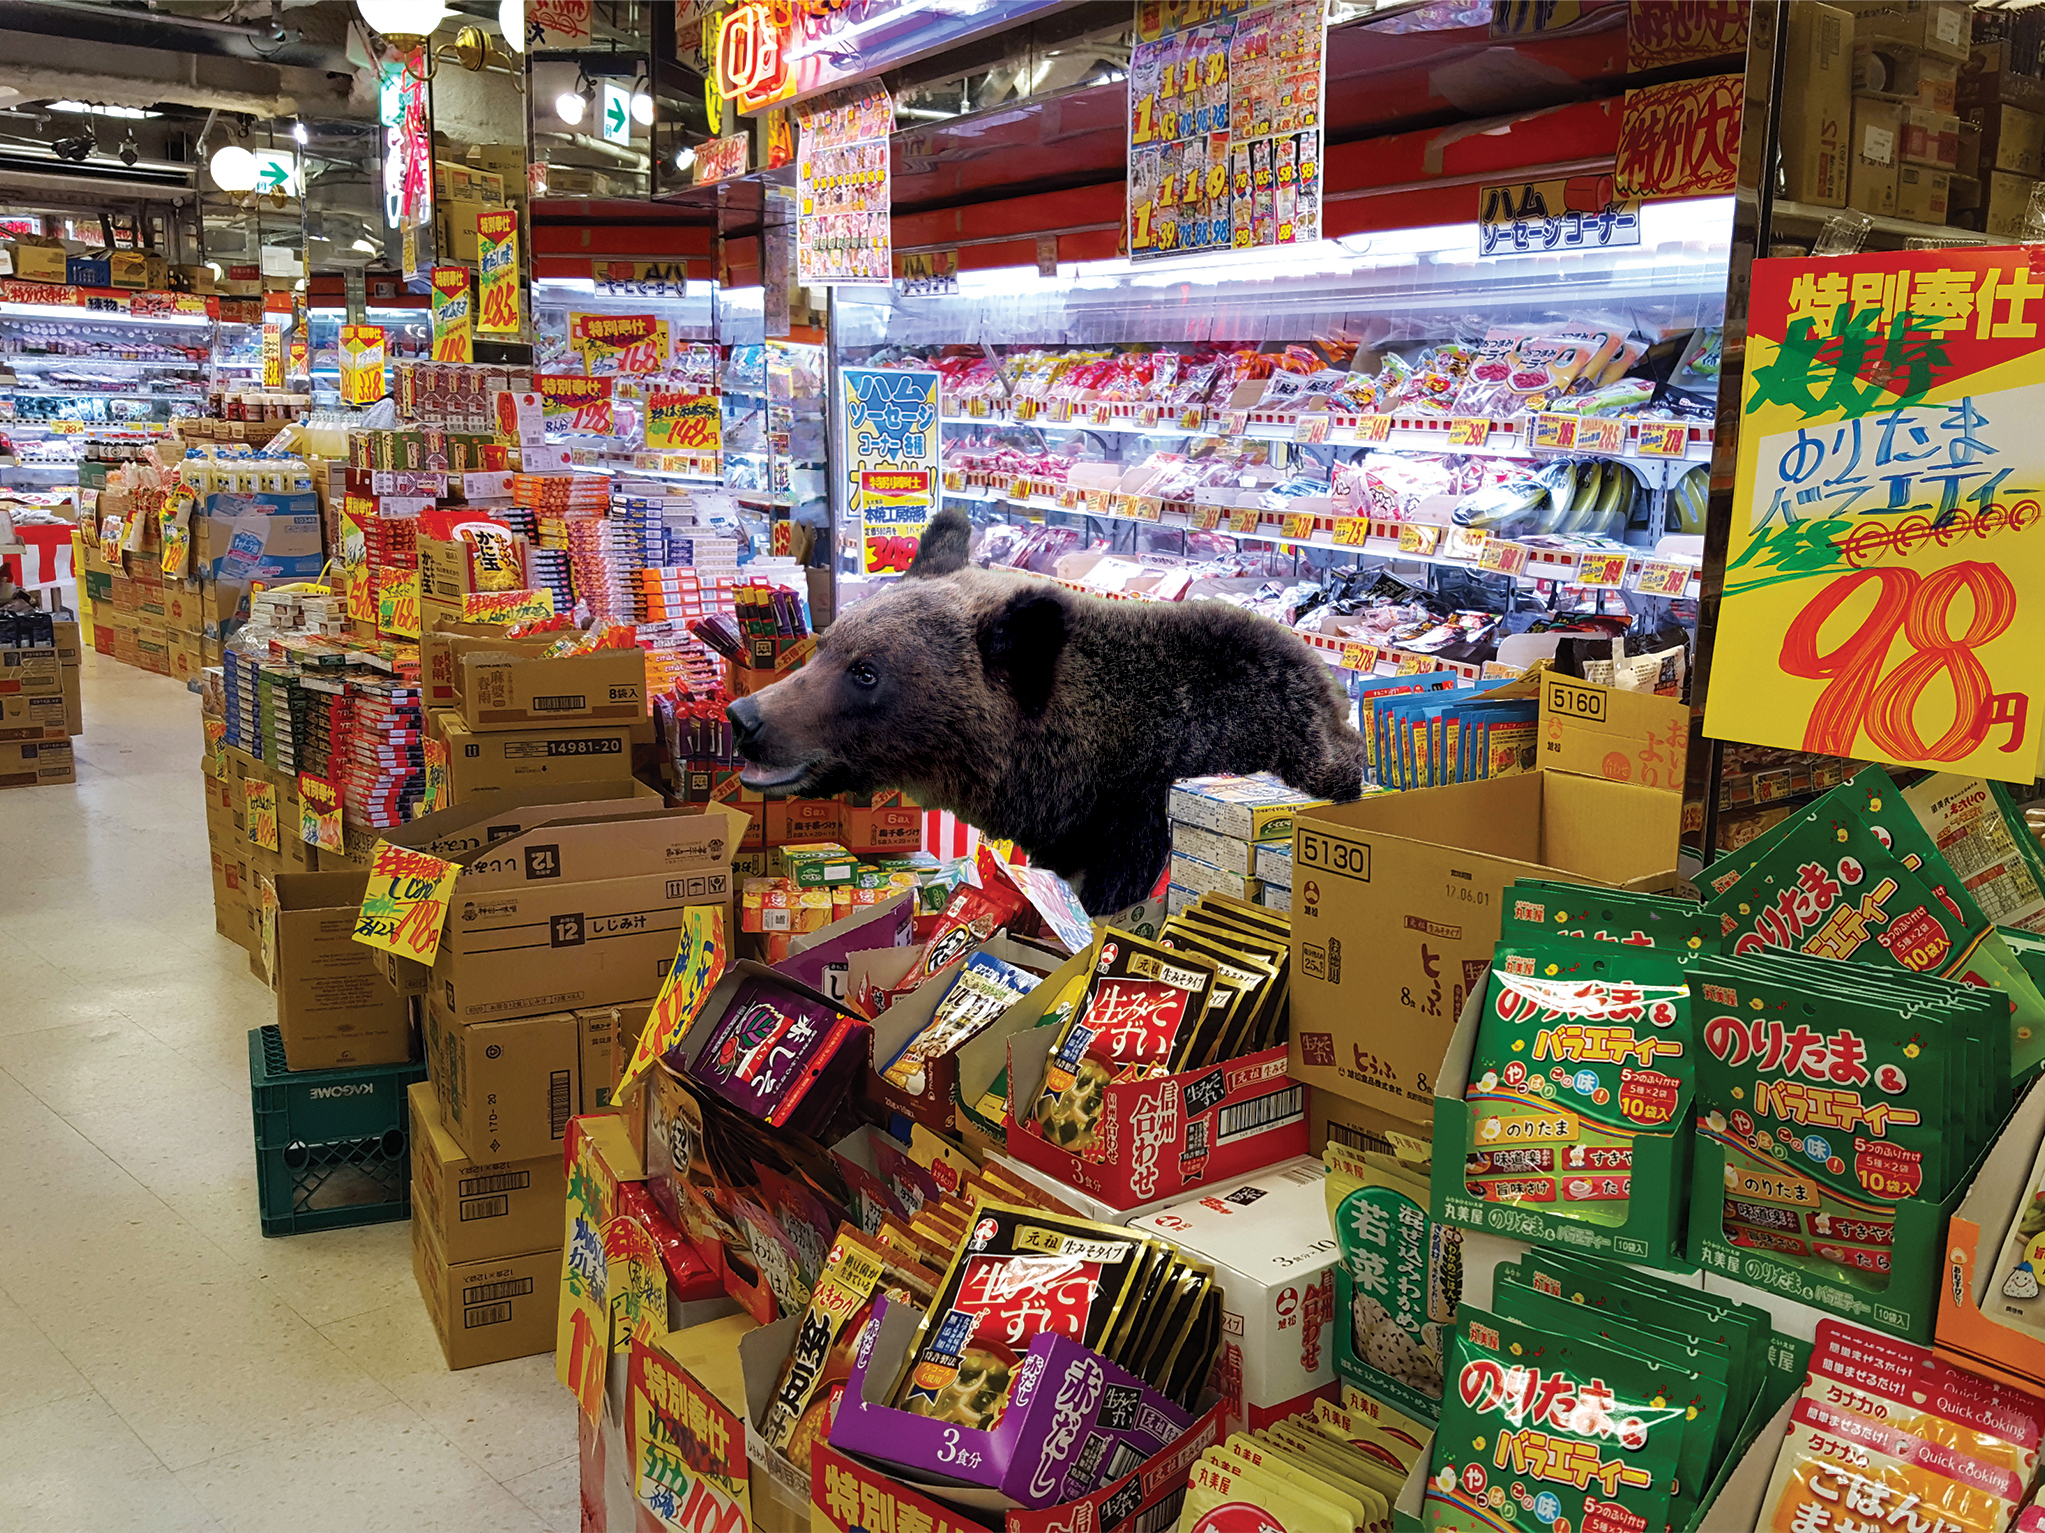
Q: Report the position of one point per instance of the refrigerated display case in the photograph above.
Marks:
(407, 322)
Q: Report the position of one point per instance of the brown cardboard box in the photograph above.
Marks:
(579, 913)
(36, 672)
(35, 261)
(37, 764)
(2005, 206)
(1396, 897)
(70, 648)
(1930, 138)
(506, 1090)
(334, 1006)
(1942, 28)
(1817, 111)
(445, 579)
(33, 718)
(2012, 139)
(503, 763)
(1883, 66)
(481, 1209)
(1990, 76)
(609, 1033)
(457, 220)
(137, 269)
(1923, 194)
(1873, 154)
(506, 684)
(488, 1311)
(74, 701)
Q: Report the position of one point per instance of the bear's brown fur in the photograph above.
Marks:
(1053, 720)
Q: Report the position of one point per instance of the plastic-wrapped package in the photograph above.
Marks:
(1487, 386)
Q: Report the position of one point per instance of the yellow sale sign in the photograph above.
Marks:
(698, 966)
(451, 341)
(683, 422)
(361, 364)
(497, 271)
(405, 903)
(1885, 576)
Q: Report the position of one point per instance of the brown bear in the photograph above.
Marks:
(1053, 720)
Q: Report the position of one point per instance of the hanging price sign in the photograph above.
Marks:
(497, 271)
(361, 364)
(1662, 439)
(699, 964)
(397, 603)
(405, 904)
(451, 330)
(683, 422)
(319, 813)
(259, 813)
(1607, 571)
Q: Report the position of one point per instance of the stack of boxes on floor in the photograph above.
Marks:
(1233, 836)
(41, 703)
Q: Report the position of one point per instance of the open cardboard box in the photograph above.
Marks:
(1968, 1327)
(1155, 1138)
(779, 1002)
(1410, 884)
(505, 683)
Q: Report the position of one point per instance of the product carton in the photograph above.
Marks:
(1930, 138)
(1970, 1325)
(502, 764)
(506, 1090)
(36, 764)
(579, 912)
(1396, 896)
(1922, 194)
(1991, 74)
(1873, 154)
(32, 671)
(504, 684)
(35, 259)
(335, 1008)
(1817, 114)
(2012, 139)
(1268, 1240)
(479, 1210)
(487, 1311)
(1941, 28)
(2007, 206)
(33, 718)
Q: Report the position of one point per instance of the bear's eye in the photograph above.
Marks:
(862, 674)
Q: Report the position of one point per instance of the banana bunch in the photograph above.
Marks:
(1688, 498)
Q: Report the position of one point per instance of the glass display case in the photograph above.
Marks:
(407, 332)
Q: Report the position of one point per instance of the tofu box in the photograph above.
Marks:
(1274, 1255)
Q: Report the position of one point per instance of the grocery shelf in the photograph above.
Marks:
(1803, 213)
(43, 361)
(80, 314)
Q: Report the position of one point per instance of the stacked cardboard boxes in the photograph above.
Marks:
(1904, 143)
(41, 707)
(2002, 150)
(1233, 836)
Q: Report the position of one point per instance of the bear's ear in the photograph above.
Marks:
(943, 551)
(1020, 642)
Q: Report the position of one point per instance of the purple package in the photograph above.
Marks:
(777, 1050)
(818, 960)
(1074, 1421)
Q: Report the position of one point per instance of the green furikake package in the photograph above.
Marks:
(1549, 1431)
(1832, 1105)
(1398, 1278)
(1583, 1050)
(1538, 907)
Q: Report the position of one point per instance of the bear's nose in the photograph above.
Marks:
(744, 714)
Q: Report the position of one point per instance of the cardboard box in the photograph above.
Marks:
(1923, 194)
(34, 718)
(2012, 139)
(1992, 74)
(1942, 28)
(36, 671)
(487, 1311)
(897, 828)
(35, 261)
(1268, 1240)
(503, 763)
(503, 684)
(1817, 114)
(1930, 138)
(579, 913)
(481, 1209)
(334, 1006)
(37, 764)
(1396, 896)
(2006, 208)
(1873, 154)
(506, 1090)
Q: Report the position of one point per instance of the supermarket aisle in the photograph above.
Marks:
(162, 1365)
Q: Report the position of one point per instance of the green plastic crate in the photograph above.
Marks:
(333, 1147)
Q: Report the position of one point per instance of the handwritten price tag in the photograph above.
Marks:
(1147, 417)
(1606, 570)
(1206, 518)
(1506, 558)
(216, 749)
(319, 813)
(1596, 434)
(1417, 665)
(1243, 520)
(507, 607)
(1238, 422)
(1362, 658)
(1469, 430)
(1125, 505)
(1663, 439)
(1299, 524)
(1373, 428)
(1351, 531)
(1554, 433)
(698, 966)
(1061, 411)
(1418, 537)
(259, 809)
(397, 603)
(1147, 508)
(1663, 579)
(1465, 543)
(1310, 428)
(406, 902)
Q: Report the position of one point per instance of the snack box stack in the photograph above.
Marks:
(1218, 825)
(385, 775)
(546, 545)
(391, 542)
(562, 494)
(283, 709)
(602, 556)
(815, 883)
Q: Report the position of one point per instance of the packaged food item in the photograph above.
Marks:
(983, 989)
(1224, 1493)
(1398, 1279)
(1021, 1272)
(974, 913)
(495, 556)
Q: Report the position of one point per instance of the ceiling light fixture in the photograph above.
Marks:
(571, 106)
(684, 157)
(642, 109)
(511, 22)
(234, 169)
(298, 132)
(404, 24)
(95, 109)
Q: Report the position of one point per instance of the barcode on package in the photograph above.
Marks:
(567, 702)
(1157, 1518)
(557, 1102)
(489, 1293)
(485, 1314)
(1258, 1114)
(1358, 1139)
(485, 1208)
(496, 1181)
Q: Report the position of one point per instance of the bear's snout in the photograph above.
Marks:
(746, 724)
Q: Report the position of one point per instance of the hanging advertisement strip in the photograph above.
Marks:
(1885, 573)
(451, 341)
(404, 110)
(891, 434)
(842, 225)
(571, 402)
(1225, 128)
(497, 271)
(361, 364)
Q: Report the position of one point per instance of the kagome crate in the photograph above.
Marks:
(333, 1147)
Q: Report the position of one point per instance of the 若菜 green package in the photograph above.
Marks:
(1398, 1277)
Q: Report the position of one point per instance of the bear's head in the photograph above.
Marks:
(921, 686)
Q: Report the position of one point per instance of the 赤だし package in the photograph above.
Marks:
(1579, 1096)
(1565, 1431)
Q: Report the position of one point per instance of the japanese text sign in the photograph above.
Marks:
(1575, 213)
(361, 364)
(319, 813)
(1885, 574)
(698, 966)
(405, 905)
(259, 805)
(683, 422)
(891, 430)
(451, 315)
(572, 402)
(497, 271)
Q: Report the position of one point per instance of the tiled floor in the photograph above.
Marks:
(163, 1366)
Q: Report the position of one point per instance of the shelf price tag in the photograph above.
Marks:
(1663, 579)
(1351, 531)
(1361, 658)
(1603, 570)
(1190, 419)
(1506, 558)
(1373, 428)
(1023, 410)
(1061, 410)
(1770, 786)
(1469, 430)
(1068, 498)
(1463, 543)
(1310, 428)
(1147, 417)
(1206, 518)
(1554, 433)
(1298, 525)
(1243, 520)
(1146, 508)
(1663, 439)
(978, 408)
(954, 479)
(1595, 433)
(1417, 665)
(1124, 505)
(1102, 413)
(1238, 422)
(1418, 537)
